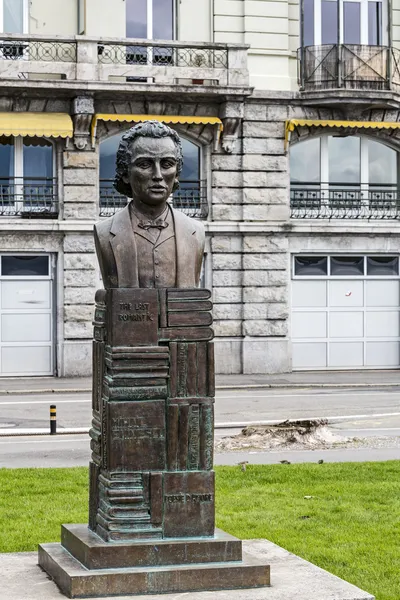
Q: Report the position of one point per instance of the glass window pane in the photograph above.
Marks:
(382, 265)
(382, 164)
(311, 265)
(305, 161)
(347, 265)
(18, 266)
(13, 16)
(38, 160)
(163, 25)
(6, 158)
(374, 23)
(136, 19)
(308, 23)
(344, 160)
(329, 28)
(191, 161)
(351, 23)
(108, 153)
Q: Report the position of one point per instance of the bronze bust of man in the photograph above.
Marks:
(148, 244)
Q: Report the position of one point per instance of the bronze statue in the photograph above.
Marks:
(148, 244)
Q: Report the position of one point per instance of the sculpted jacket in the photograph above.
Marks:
(117, 254)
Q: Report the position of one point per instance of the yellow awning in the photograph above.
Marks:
(172, 119)
(292, 124)
(36, 124)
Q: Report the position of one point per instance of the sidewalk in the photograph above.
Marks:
(303, 379)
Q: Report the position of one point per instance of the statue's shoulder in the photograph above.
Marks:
(102, 228)
(188, 222)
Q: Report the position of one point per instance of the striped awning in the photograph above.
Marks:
(169, 119)
(53, 125)
(293, 124)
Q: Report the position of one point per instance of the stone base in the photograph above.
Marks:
(85, 566)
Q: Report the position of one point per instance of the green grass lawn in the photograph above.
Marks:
(350, 525)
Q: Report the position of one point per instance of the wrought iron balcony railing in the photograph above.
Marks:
(348, 66)
(122, 60)
(31, 198)
(191, 199)
(323, 201)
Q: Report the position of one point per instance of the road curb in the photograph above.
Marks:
(250, 386)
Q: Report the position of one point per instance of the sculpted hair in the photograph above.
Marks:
(151, 129)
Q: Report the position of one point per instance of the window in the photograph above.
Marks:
(346, 266)
(150, 19)
(190, 197)
(361, 22)
(14, 16)
(26, 176)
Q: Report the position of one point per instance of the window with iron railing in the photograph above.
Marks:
(190, 198)
(343, 177)
(27, 184)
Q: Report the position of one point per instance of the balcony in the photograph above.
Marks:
(349, 67)
(30, 198)
(327, 201)
(191, 199)
(84, 59)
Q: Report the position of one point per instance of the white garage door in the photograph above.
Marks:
(345, 312)
(26, 315)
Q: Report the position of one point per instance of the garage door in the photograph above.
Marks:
(345, 312)
(26, 315)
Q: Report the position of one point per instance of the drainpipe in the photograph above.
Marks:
(389, 50)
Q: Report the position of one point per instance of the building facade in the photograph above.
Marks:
(289, 113)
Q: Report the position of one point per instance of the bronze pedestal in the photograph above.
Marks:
(151, 516)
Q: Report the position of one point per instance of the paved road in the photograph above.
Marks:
(243, 406)
(365, 413)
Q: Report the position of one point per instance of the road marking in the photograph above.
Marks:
(53, 401)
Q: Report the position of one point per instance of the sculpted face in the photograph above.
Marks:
(153, 170)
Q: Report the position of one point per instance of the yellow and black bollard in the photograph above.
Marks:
(53, 419)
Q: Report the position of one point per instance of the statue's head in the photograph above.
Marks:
(149, 162)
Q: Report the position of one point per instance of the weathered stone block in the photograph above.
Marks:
(254, 179)
(276, 113)
(279, 180)
(266, 294)
(227, 295)
(80, 278)
(265, 328)
(227, 328)
(80, 194)
(227, 261)
(79, 313)
(227, 278)
(228, 311)
(265, 261)
(81, 211)
(80, 261)
(257, 146)
(80, 177)
(267, 212)
(79, 243)
(275, 146)
(77, 359)
(256, 311)
(74, 330)
(227, 196)
(226, 243)
(266, 356)
(264, 130)
(265, 196)
(228, 356)
(259, 278)
(81, 160)
(79, 295)
(255, 112)
(260, 162)
(227, 179)
(279, 277)
(278, 311)
(226, 162)
(224, 212)
(262, 243)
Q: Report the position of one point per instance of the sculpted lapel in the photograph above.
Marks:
(187, 250)
(124, 248)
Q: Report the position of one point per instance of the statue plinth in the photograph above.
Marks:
(152, 488)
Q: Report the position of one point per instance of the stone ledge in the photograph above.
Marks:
(291, 577)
